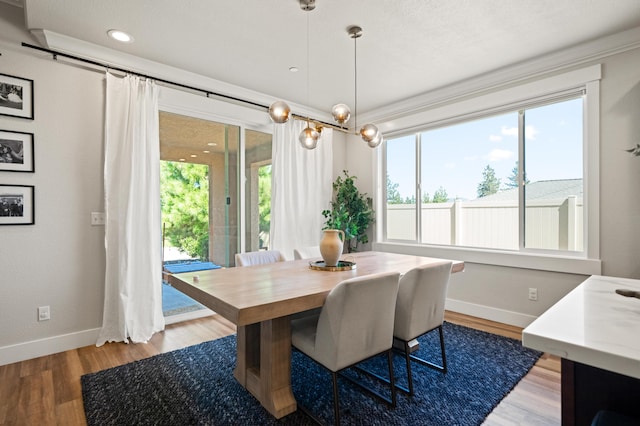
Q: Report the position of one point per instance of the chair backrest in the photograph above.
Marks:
(420, 304)
(259, 257)
(356, 320)
(307, 252)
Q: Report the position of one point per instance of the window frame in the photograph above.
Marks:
(515, 98)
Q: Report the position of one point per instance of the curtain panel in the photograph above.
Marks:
(301, 188)
(133, 242)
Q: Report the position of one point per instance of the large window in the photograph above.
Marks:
(507, 181)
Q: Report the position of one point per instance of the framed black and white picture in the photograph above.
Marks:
(17, 205)
(16, 151)
(16, 96)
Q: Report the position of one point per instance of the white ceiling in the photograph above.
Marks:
(409, 47)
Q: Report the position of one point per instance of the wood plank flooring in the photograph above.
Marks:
(46, 390)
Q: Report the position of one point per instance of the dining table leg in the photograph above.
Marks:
(264, 364)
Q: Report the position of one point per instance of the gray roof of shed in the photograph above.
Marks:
(540, 190)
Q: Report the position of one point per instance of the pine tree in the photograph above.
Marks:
(490, 183)
(512, 180)
(393, 195)
(440, 196)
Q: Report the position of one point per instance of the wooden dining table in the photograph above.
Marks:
(261, 299)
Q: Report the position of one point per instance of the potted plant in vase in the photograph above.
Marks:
(350, 212)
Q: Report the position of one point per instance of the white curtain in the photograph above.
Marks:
(301, 188)
(133, 278)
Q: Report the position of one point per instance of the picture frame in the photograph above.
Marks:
(17, 204)
(16, 151)
(16, 96)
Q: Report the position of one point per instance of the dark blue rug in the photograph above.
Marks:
(195, 386)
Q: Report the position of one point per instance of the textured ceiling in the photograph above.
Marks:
(409, 47)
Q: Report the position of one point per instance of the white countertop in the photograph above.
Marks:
(592, 325)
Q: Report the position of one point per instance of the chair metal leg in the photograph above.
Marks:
(424, 362)
(407, 357)
(336, 402)
(392, 380)
(334, 376)
(390, 401)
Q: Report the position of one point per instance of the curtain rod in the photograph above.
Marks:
(128, 71)
(55, 54)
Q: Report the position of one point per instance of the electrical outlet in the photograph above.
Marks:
(44, 313)
(97, 218)
(533, 293)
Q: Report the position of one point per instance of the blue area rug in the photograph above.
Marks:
(195, 386)
(175, 302)
(189, 266)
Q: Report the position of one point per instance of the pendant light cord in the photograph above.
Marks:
(355, 84)
(308, 12)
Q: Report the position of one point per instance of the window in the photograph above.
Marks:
(508, 181)
(257, 190)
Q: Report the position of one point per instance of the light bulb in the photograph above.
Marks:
(377, 140)
(279, 112)
(309, 138)
(341, 113)
(369, 132)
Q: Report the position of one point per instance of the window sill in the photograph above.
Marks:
(542, 262)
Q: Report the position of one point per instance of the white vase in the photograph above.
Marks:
(331, 246)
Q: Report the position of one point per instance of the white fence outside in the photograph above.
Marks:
(552, 224)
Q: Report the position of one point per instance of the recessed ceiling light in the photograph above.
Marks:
(206, 151)
(212, 144)
(193, 156)
(294, 69)
(120, 36)
(182, 159)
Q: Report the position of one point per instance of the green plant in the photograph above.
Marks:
(184, 197)
(350, 211)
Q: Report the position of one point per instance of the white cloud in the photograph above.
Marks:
(495, 138)
(498, 155)
(530, 132)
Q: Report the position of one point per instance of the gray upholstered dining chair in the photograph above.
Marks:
(259, 257)
(307, 252)
(419, 310)
(354, 324)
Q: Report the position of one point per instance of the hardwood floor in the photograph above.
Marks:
(46, 390)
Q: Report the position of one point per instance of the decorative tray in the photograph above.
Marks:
(342, 265)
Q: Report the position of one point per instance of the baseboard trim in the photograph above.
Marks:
(490, 313)
(65, 342)
(50, 345)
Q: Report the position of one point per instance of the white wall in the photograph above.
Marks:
(59, 261)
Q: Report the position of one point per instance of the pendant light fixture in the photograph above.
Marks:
(369, 132)
(309, 136)
(280, 112)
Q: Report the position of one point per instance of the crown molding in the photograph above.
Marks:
(530, 69)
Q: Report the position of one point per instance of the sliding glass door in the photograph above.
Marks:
(257, 174)
(199, 188)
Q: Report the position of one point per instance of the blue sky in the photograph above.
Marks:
(454, 157)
